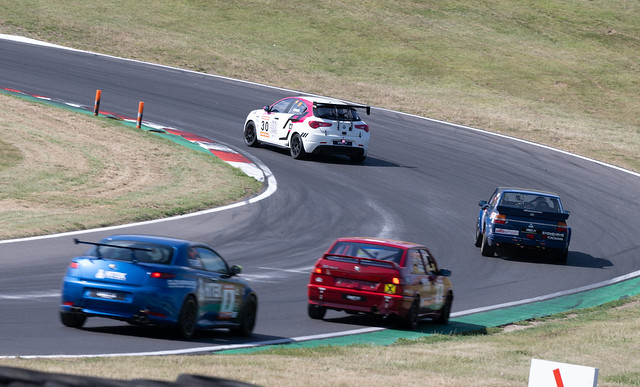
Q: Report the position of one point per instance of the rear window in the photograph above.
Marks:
(366, 250)
(133, 251)
(530, 201)
(336, 112)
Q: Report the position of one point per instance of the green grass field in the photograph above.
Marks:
(564, 74)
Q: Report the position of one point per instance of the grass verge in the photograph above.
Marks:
(63, 171)
(497, 357)
(564, 74)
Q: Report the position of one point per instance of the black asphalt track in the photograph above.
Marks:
(421, 182)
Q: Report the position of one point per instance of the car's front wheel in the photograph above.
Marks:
(478, 242)
(247, 318)
(72, 320)
(413, 316)
(296, 147)
(250, 134)
(187, 322)
(445, 312)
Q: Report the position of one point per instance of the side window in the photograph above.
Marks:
(417, 262)
(281, 106)
(212, 261)
(298, 108)
(494, 199)
(193, 258)
(432, 267)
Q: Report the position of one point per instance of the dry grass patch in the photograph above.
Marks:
(64, 171)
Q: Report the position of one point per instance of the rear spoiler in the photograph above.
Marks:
(361, 260)
(355, 106)
(530, 213)
(133, 249)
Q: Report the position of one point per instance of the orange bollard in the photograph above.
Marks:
(96, 105)
(140, 109)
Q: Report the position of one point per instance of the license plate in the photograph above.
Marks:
(353, 297)
(342, 142)
(106, 295)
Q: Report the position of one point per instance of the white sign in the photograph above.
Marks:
(545, 373)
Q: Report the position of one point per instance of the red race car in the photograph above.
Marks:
(380, 277)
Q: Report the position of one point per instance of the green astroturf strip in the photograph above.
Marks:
(477, 321)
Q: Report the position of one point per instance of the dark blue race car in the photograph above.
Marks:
(525, 218)
(145, 279)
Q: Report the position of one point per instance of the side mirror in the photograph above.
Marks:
(445, 272)
(482, 203)
(266, 109)
(235, 270)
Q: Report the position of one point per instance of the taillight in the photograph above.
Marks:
(561, 227)
(74, 265)
(318, 270)
(364, 127)
(161, 275)
(498, 219)
(317, 124)
(395, 281)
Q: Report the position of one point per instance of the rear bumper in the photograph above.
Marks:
(495, 239)
(358, 301)
(136, 305)
(350, 146)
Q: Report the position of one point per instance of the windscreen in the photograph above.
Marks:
(530, 201)
(366, 250)
(336, 112)
(121, 250)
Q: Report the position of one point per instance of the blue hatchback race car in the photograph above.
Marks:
(156, 280)
(523, 218)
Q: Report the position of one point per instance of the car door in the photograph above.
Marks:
(436, 292)
(220, 295)
(420, 282)
(296, 111)
(273, 120)
(486, 210)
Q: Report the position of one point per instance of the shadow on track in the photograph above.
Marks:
(575, 258)
(208, 337)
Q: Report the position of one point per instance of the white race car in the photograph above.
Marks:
(306, 125)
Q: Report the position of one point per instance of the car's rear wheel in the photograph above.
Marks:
(316, 312)
(187, 322)
(445, 312)
(247, 318)
(72, 320)
(358, 159)
(485, 249)
(560, 256)
(296, 147)
(250, 134)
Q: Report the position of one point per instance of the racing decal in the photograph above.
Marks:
(390, 288)
(116, 275)
(554, 236)
(177, 284)
(210, 291)
(228, 306)
(439, 292)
